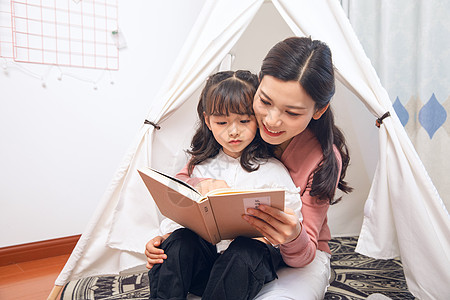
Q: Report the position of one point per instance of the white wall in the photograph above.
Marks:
(61, 145)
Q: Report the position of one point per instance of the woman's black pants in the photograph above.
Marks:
(194, 266)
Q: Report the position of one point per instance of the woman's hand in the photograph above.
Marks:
(277, 226)
(210, 184)
(154, 254)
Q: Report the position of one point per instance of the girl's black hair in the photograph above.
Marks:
(310, 63)
(224, 93)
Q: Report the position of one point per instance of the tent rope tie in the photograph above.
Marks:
(157, 127)
(379, 121)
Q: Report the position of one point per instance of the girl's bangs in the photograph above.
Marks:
(223, 101)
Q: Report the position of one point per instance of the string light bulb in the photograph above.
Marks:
(5, 69)
(43, 77)
(111, 81)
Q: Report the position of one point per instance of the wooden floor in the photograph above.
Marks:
(31, 279)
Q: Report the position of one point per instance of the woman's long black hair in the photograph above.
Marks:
(310, 63)
(224, 93)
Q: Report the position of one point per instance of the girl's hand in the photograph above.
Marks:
(154, 254)
(277, 226)
(210, 184)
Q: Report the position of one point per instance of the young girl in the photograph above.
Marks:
(226, 146)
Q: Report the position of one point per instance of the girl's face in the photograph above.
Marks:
(233, 132)
(283, 109)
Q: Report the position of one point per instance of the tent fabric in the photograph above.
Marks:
(404, 215)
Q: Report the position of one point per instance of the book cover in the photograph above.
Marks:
(215, 216)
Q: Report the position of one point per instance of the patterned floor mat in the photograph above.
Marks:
(354, 276)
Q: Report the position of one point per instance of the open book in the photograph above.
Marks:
(217, 215)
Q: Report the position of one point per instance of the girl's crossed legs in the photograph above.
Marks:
(194, 266)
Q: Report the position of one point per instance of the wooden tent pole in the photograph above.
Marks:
(55, 292)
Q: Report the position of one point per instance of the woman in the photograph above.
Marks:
(292, 110)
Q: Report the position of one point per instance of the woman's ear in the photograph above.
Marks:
(320, 112)
(206, 117)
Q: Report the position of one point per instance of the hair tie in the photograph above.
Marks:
(379, 121)
(157, 127)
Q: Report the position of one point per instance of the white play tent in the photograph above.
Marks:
(403, 213)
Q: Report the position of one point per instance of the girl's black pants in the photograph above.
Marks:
(194, 266)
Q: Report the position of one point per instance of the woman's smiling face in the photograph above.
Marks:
(283, 109)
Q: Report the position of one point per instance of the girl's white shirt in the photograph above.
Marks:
(271, 174)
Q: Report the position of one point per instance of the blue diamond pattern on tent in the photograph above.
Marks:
(401, 112)
(432, 116)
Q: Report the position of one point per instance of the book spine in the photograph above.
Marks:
(210, 221)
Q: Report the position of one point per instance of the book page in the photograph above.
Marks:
(230, 191)
(177, 180)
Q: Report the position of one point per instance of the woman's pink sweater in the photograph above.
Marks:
(301, 157)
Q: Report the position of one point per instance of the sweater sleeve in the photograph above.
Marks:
(315, 233)
(184, 176)
(301, 251)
